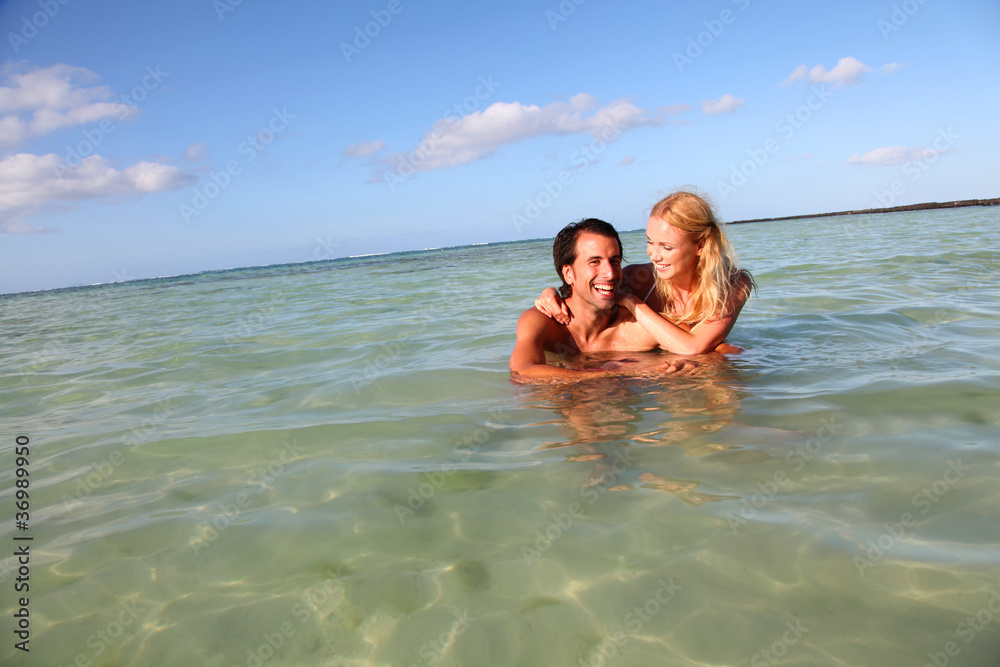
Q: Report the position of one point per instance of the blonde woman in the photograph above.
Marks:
(689, 296)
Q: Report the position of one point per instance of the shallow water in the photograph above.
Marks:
(327, 465)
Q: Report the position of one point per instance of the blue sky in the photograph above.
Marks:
(151, 139)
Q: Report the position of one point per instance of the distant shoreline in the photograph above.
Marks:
(893, 209)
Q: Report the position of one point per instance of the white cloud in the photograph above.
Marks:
(800, 72)
(195, 153)
(455, 141)
(890, 68)
(725, 104)
(847, 71)
(364, 149)
(29, 183)
(20, 227)
(627, 160)
(38, 102)
(672, 109)
(891, 155)
(44, 100)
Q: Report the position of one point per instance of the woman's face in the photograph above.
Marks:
(674, 256)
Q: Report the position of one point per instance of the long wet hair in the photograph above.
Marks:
(564, 247)
(718, 275)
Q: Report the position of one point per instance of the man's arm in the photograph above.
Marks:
(534, 332)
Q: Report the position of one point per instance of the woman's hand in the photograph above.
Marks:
(627, 300)
(551, 305)
(675, 365)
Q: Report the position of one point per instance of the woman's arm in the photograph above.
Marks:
(528, 364)
(550, 304)
(636, 279)
(703, 337)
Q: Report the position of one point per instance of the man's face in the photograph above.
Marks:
(597, 271)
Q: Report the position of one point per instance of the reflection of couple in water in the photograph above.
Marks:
(611, 422)
(684, 302)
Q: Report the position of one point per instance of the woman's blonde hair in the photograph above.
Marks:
(718, 275)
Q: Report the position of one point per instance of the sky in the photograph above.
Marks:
(142, 139)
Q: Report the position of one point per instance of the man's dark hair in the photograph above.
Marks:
(564, 247)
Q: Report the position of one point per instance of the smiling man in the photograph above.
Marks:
(588, 259)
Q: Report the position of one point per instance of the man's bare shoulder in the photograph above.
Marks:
(533, 319)
(534, 324)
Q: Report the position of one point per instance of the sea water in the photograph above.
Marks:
(327, 464)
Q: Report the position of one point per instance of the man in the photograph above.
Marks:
(588, 258)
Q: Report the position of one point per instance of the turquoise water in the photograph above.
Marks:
(327, 465)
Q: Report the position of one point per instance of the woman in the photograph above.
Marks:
(693, 290)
